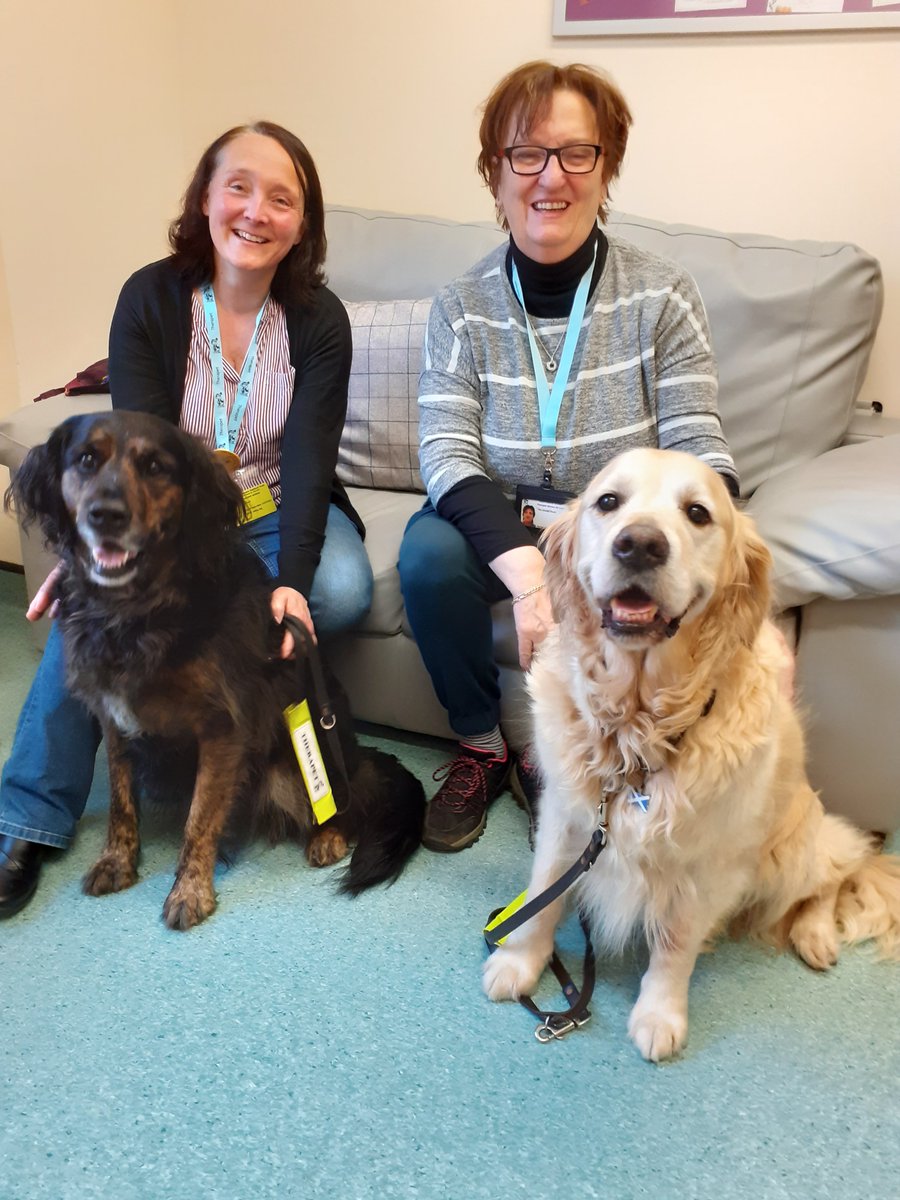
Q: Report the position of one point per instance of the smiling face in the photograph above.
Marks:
(651, 540)
(254, 204)
(550, 215)
(123, 483)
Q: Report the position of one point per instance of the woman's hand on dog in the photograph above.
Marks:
(286, 600)
(44, 600)
(534, 620)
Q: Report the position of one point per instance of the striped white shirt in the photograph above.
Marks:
(259, 437)
(643, 375)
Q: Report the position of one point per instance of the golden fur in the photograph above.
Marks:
(661, 590)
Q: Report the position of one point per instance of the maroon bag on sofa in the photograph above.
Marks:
(94, 378)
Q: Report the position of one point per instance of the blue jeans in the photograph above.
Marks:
(341, 593)
(48, 775)
(448, 593)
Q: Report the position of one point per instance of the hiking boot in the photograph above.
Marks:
(526, 783)
(457, 814)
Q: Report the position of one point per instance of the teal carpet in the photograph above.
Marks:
(300, 1044)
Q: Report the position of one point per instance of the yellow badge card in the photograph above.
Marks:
(513, 906)
(258, 502)
(309, 756)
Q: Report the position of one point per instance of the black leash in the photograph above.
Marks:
(319, 692)
(555, 1025)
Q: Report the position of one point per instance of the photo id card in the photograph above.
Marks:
(539, 505)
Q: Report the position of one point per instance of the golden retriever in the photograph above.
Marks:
(662, 690)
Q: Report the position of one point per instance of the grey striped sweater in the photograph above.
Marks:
(643, 375)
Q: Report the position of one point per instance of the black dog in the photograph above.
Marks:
(170, 641)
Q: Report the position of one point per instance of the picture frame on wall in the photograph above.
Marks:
(617, 18)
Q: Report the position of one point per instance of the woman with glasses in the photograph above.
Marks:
(234, 338)
(546, 359)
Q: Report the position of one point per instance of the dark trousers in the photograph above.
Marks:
(448, 595)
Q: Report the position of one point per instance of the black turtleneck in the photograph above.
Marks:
(549, 288)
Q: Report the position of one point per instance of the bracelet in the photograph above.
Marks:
(530, 592)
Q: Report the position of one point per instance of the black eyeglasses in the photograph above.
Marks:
(531, 160)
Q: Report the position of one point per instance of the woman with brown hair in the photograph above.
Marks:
(234, 338)
(546, 359)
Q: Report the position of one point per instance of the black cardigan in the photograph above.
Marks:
(148, 351)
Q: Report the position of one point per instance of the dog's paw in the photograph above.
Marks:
(188, 904)
(657, 1033)
(510, 973)
(110, 873)
(815, 939)
(325, 847)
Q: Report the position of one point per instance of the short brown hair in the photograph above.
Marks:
(301, 270)
(525, 96)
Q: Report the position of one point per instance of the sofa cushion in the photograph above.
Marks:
(380, 443)
(376, 255)
(832, 526)
(792, 323)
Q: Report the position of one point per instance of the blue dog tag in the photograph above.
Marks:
(639, 799)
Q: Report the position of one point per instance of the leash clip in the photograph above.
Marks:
(599, 838)
(591, 853)
(555, 1026)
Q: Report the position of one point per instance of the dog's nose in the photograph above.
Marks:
(641, 547)
(108, 514)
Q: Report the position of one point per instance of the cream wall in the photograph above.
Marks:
(92, 165)
(106, 105)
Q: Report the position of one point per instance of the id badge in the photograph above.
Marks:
(538, 505)
(258, 502)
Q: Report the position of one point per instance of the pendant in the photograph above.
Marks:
(639, 799)
(551, 364)
(229, 460)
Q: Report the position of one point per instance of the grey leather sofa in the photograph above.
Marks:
(793, 325)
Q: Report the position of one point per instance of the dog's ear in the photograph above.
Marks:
(213, 506)
(558, 543)
(747, 592)
(36, 489)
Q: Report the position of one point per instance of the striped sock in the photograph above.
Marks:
(488, 743)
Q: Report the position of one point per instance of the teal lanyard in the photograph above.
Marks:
(227, 427)
(550, 401)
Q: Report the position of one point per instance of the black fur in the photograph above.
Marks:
(184, 656)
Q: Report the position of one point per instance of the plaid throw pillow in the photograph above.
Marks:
(380, 444)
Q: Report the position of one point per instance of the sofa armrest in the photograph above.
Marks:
(33, 423)
(832, 525)
(867, 424)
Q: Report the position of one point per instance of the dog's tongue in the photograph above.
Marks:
(633, 610)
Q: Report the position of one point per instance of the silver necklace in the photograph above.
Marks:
(550, 362)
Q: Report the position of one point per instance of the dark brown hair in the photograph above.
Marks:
(524, 97)
(301, 270)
